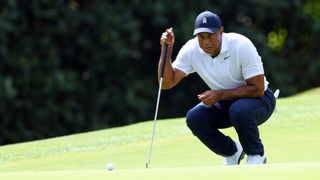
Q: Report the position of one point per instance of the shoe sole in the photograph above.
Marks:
(241, 157)
(264, 162)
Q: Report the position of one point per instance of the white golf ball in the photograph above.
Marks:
(110, 166)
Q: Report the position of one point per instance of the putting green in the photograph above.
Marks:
(291, 139)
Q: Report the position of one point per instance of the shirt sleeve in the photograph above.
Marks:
(182, 61)
(250, 61)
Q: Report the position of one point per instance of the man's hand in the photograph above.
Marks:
(167, 37)
(210, 97)
(171, 76)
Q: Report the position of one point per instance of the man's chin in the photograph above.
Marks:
(208, 51)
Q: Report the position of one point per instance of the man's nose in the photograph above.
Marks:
(206, 42)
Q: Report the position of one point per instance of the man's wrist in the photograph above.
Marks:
(224, 94)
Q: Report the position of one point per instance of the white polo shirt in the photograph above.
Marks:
(238, 60)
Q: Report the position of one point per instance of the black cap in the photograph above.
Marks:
(207, 22)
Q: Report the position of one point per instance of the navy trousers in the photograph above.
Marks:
(244, 114)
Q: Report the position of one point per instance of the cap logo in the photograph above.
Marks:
(204, 20)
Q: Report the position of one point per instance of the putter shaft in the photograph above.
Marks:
(154, 123)
(157, 105)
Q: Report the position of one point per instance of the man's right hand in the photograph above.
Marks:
(167, 37)
(171, 75)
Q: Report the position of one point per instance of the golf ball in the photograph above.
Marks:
(110, 166)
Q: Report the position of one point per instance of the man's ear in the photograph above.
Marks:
(221, 29)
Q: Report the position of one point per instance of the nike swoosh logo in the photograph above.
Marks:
(226, 57)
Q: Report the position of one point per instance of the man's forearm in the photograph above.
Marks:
(168, 76)
(243, 91)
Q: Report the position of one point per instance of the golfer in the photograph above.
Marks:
(238, 94)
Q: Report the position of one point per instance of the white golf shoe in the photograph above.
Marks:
(236, 157)
(256, 159)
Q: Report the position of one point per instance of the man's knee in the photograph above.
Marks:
(192, 118)
(196, 120)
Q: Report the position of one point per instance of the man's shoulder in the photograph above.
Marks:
(237, 40)
(190, 46)
(192, 42)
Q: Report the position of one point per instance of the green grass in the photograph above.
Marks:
(291, 138)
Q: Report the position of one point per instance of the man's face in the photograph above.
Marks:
(210, 42)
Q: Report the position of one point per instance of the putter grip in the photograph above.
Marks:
(163, 63)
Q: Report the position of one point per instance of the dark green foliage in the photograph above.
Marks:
(70, 66)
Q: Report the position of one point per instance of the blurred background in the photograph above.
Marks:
(69, 66)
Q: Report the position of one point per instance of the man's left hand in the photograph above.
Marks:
(210, 97)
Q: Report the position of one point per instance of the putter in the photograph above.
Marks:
(164, 56)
